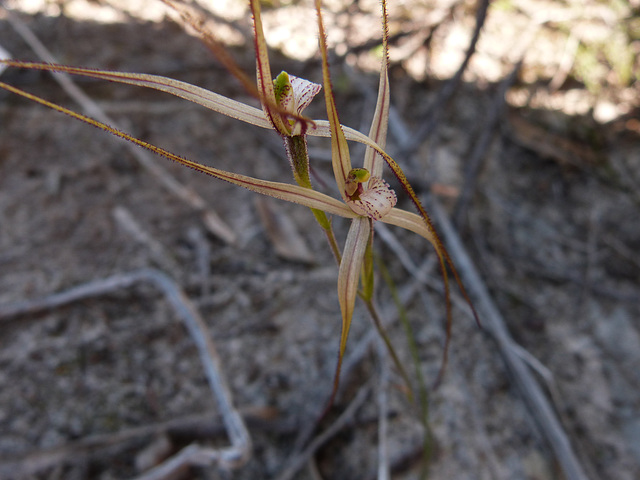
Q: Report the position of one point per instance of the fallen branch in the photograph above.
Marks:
(493, 323)
(227, 458)
(199, 426)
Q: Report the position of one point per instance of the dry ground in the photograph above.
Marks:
(545, 197)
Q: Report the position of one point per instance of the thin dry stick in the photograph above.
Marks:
(203, 259)
(421, 273)
(391, 241)
(566, 63)
(435, 111)
(207, 425)
(227, 458)
(211, 219)
(159, 253)
(489, 129)
(384, 472)
(494, 324)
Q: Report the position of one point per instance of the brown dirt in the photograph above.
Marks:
(552, 225)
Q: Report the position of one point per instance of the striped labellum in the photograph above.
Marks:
(374, 202)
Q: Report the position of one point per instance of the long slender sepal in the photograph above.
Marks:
(201, 96)
(284, 191)
(340, 159)
(379, 125)
(348, 279)
(349, 273)
(263, 71)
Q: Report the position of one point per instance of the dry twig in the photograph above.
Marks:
(474, 162)
(227, 458)
(158, 252)
(206, 425)
(344, 420)
(203, 259)
(446, 93)
(494, 324)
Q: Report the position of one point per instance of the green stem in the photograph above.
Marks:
(298, 154)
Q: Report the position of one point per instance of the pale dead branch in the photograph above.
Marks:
(159, 253)
(226, 458)
(493, 322)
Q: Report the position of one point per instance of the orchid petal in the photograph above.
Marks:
(263, 71)
(349, 274)
(378, 131)
(303, 91)
(340, 159)
(376, 201)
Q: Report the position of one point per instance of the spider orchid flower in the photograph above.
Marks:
(364, 196)
(292, 95)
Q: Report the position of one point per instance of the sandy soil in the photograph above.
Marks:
(549, 214)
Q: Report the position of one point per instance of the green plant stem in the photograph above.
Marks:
(297, 152)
